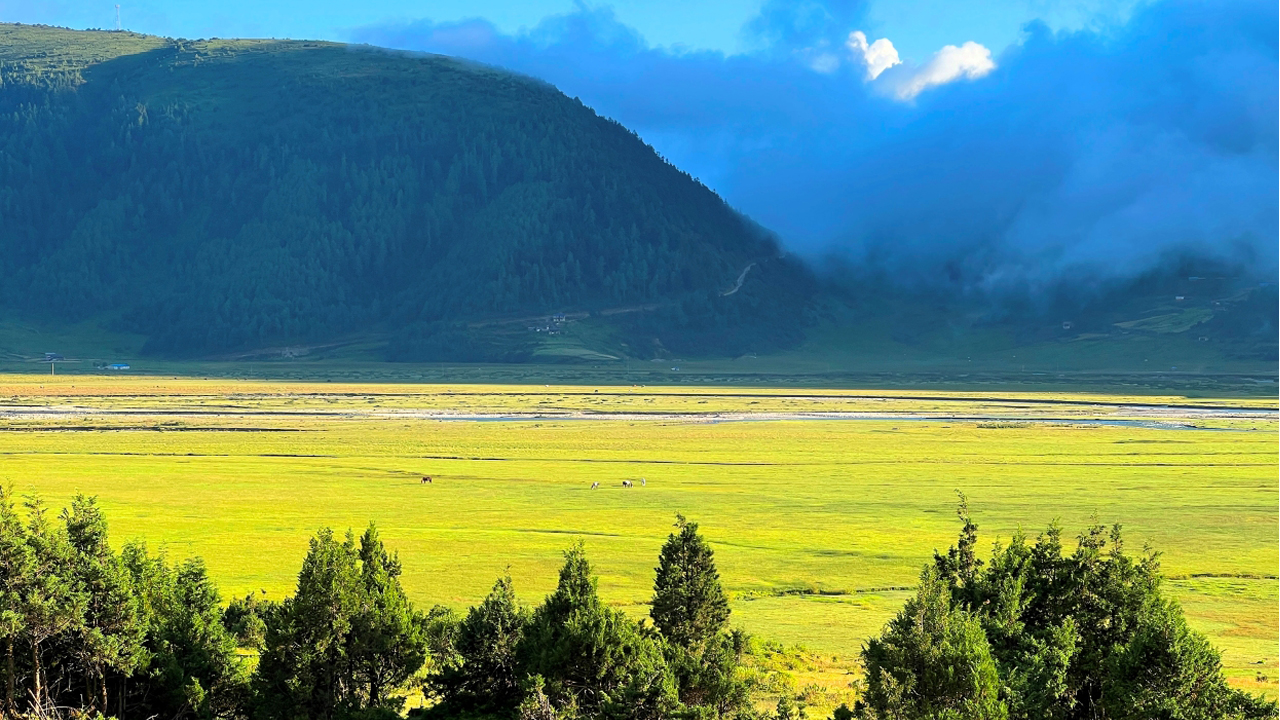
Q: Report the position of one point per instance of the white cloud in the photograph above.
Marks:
(969, 61)
(878, 56)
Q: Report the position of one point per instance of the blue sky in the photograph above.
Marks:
(1000, 143)
(917, 27)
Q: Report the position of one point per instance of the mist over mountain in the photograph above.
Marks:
(1071, 159)
(236, 198)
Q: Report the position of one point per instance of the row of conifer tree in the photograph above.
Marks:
(89, 631)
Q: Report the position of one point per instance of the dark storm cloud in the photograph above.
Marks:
(1098, 153)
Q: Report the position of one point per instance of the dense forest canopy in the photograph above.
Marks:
(224, 194)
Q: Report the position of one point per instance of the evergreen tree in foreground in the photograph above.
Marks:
(123, 634)
(346, 641)
(1036, 633)
(592, 660)
(689, 606)
(484, 675)
(691, 611)
(15, 569)
(933, 661)
(194, 670)
(574, 657)
(110, 633)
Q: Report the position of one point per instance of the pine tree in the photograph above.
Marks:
(304, 671)
(111, 632)
(51, 602)
(689, 606)
(594, 658)
(16, 565)
(933, 661)
(346, 640)
(195, 666)
(961, 565)
(576, 590)
(1040, 635)
(485, 675)
(388, 643)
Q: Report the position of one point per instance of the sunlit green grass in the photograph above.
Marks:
(818, 525)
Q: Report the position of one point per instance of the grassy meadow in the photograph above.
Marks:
(821, 505)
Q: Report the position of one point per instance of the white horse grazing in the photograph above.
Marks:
(627, 484)
(595, 485)
(641, 482)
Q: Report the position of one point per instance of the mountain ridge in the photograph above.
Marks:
(222, 194)
(221, 198)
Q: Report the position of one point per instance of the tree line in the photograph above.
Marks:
(89, 631)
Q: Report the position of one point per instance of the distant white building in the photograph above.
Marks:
(118, 366)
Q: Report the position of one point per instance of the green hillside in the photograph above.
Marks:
(225, 195)
(228, 200)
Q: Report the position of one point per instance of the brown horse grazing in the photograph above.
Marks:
(426, 479)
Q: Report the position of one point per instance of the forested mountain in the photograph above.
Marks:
(225, 194)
